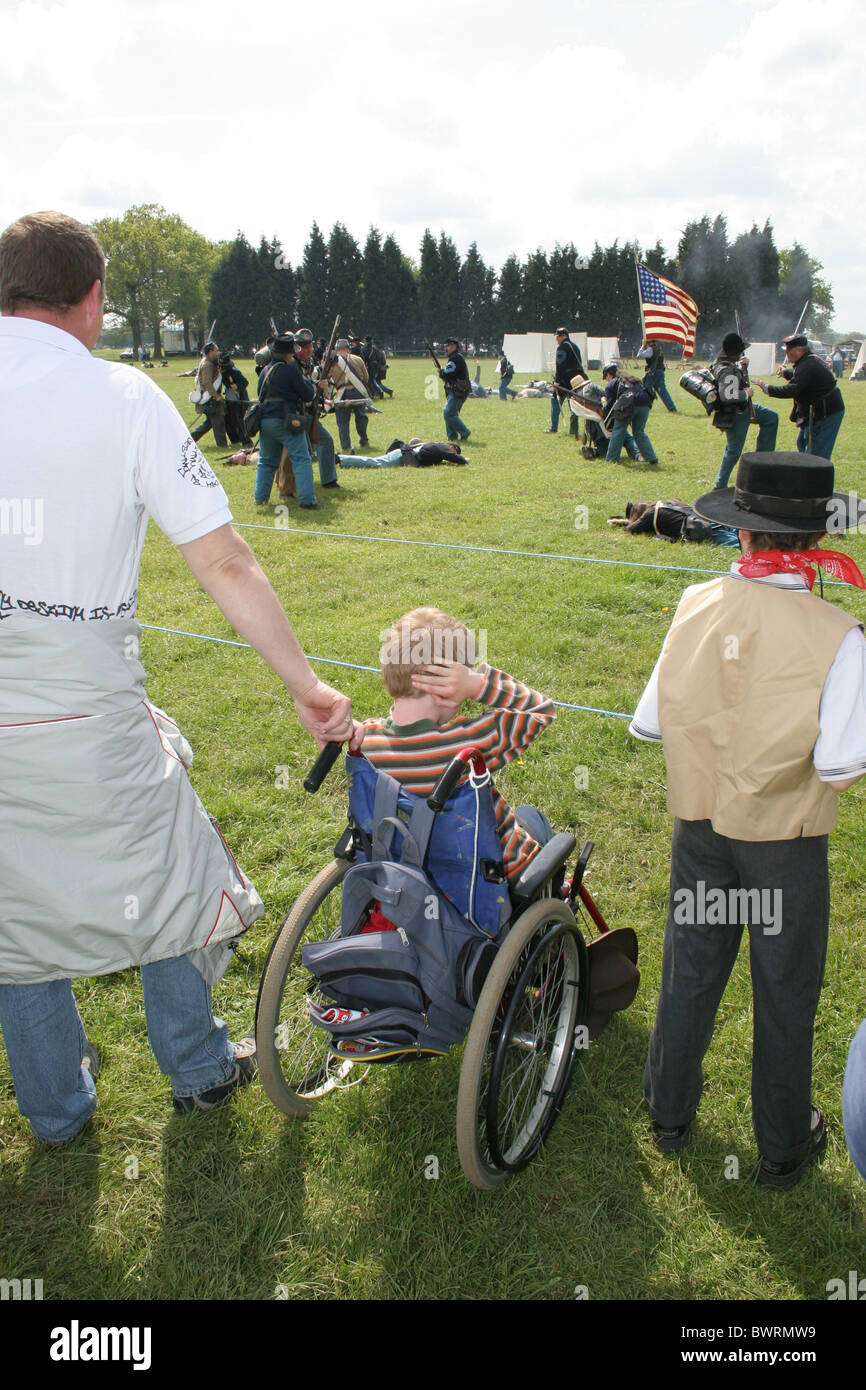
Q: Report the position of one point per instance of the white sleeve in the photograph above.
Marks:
(173, 478)
(645, 723)
(840, 750)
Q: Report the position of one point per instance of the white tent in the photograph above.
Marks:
(861, 359)
(602, 350)
(762, 358)
(536, 352)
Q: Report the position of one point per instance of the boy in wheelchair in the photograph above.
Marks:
(403, 947)
(428, 667)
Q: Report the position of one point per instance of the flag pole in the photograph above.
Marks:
(639, 296)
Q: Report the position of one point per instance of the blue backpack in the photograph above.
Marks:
(438, 883)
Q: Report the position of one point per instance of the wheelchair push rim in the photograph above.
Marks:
(520, 1050)
(295, 1064)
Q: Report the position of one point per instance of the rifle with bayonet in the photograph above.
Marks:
(320, 384)
(744, 363)
(429, 347)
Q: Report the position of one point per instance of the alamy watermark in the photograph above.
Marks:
(22, 516)
(417, 647)
(728, 907)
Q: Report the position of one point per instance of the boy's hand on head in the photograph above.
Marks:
(449, 681)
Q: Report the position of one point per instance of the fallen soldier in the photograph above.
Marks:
(535, 388)
(672, 521)
(415, 454)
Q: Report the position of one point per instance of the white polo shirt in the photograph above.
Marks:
(90, 450)
(840, 749)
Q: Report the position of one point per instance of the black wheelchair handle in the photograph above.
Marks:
(452, 774)
(322, 766)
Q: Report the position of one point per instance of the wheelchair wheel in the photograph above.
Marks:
(520, 1050)
(295, 1065)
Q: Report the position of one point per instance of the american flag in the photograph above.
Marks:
(668, 312)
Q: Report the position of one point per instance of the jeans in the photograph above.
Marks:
(768, 425)
(555, 412)
(45, 1042)
(272, 436)
(504, 389)
(823, 436)
(326, 456)
(390, 460)
(641, 438)
(656, 380)
(854, 1100)
(454, 426)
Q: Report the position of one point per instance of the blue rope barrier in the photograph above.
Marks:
(498, 550)
(353, 665)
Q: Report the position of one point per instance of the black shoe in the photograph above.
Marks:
(785, 1175)
(90, 1061)
(548, 431)
(333, 484)
(310, 506)
(245, 1069)
(670, 1141)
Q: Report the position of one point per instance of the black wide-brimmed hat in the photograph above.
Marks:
(781, 492)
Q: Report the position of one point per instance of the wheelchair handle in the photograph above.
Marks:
(322, 766)
(452, 774)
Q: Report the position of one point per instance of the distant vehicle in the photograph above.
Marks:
(127, 355)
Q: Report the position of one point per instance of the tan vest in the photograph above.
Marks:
(739, 691)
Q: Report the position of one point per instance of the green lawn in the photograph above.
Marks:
(241, 1202)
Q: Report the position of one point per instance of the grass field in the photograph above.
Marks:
(246, 1204)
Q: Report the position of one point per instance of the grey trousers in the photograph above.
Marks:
(788, 927)
(344, 414)
(326, 456)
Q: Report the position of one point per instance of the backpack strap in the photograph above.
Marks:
(383, 840)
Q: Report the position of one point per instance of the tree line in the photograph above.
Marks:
(161, 270)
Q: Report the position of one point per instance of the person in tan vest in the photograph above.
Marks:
(759, 698)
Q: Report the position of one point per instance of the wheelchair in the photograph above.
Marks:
(529, 1023)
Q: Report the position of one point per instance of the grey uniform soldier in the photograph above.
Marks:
(212, 404)
(350, 399)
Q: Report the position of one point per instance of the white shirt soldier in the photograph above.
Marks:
(93, 779)
(759, 699)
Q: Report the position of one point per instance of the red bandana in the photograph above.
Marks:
(763, 562)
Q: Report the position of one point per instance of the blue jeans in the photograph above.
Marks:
(454, 426)
(555, 412)
(326, 456)
(768, 425)
(393, 459)
(45, 1041)
(657, 381)
(272, 436)
(641, 438)
(504, 389)
(854, 1100)
(823, 436)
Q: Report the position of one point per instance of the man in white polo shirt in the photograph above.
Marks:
(759, 697)
(107, 856)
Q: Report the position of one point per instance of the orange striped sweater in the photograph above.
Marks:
(417, 754)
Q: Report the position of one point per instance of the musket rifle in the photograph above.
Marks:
(320, 384)
(753, 414)
(429, 348)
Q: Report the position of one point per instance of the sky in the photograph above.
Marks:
(515, 124)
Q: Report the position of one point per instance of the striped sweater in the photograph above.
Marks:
(417, 754)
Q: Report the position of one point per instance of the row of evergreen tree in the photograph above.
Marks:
(381, 291)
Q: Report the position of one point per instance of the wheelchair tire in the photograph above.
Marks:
(519, 1053)
(295, 1065)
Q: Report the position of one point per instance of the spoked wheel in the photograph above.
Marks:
(520, 1050)
(295, 1065)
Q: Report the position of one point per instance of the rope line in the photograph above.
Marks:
(498, 550)
(354, 666)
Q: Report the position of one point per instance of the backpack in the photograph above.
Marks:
(629, 399)
(422, 908)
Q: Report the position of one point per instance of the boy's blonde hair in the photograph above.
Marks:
(420, 638)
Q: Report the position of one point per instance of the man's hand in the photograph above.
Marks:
(327, 715)
(756, 381)
(450, 681)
